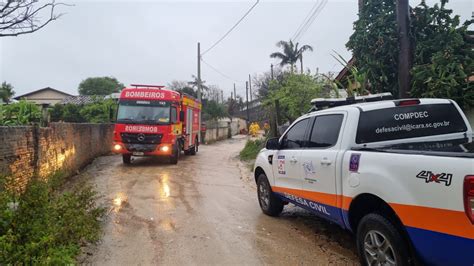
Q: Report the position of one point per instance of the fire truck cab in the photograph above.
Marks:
(152, 121)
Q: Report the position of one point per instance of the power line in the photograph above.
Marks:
(323, 5)
(219, 72)
(231, 29)
(311, 19)
(303, 29)
(305, 19)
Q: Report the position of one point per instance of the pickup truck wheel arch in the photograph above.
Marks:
(365, 204)
(257, 173)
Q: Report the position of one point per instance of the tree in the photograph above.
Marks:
(182, 87)
(374, 44)
(6, 92)
(294, 94)
(195, 84)
(212, 110)
(100, 86)
(262, 82)
(291, 54)
(18, 17)
(99, 111)
(444, 57)
(71, 113)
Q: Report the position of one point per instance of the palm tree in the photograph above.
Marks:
(291, 54)
(6, 92)
(195, 84)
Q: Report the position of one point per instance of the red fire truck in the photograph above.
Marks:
(152, 121)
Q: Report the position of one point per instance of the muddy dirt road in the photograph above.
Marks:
(200, 212)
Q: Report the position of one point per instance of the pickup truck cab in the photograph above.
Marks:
(399, 174)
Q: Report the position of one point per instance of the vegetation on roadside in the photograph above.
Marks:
(43, 226)
(20, 113)
(6, 92)
(99, 111)
(443, 58)
(251, 149)
(100, 86)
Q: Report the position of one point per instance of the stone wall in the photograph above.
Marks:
(29, 151)
(223, 129)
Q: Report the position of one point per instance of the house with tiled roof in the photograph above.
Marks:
(44, 96)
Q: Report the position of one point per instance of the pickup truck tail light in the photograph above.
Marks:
(407, 102)
(469, 197)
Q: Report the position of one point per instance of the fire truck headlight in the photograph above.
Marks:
(165, 148)
(117, 147)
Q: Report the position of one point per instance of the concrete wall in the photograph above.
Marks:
(220, 130)
(28, 151)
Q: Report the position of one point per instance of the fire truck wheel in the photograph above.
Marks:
(175, 156)
(126, 158)
(195, 149)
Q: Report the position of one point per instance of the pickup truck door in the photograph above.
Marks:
(318, 162)
(286, 164)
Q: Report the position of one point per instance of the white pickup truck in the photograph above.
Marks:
(399, 174)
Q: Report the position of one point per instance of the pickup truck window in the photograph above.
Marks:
(325, 131)
(295, 137)
(409, 122)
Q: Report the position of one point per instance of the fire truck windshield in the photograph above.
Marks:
(143, 112)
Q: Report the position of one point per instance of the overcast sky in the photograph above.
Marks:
(154, 42)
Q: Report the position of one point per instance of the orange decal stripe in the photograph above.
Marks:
(433, 219)
(324, 198)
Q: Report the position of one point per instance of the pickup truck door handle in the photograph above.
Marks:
(325, 161)
(293, 160)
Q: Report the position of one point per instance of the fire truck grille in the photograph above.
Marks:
(141, 147)
(139, 138)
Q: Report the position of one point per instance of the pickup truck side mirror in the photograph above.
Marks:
(181, 115)
(272, 144)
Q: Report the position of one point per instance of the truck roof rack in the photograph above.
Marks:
(147, 86)
(323, 103)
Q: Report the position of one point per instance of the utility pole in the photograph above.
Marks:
(250, 87)
(222, 96)
(247, 93)
(235, 93)
(405, 54)
(199, 86)
(271, 67)
(232, 95)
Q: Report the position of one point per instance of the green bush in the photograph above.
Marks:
(99, 112)
(20, 113)
(44, 226)
(251, 149)
(72, 113)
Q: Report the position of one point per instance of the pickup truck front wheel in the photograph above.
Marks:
(380, 243)
(269, 202)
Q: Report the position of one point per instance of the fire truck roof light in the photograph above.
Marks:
(147, 86)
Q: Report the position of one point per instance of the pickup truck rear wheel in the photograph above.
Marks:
(380, 243)
(269, 203)
(126, 158)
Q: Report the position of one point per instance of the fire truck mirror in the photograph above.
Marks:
(181, 115)
(174, 115)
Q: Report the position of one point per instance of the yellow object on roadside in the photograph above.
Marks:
(254, 129)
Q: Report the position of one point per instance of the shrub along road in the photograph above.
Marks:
(202, 211)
